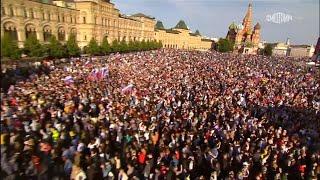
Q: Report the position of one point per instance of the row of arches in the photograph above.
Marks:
(10, 29)
(171, 46)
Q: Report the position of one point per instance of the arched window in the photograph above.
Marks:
(61, 34)
(84, 20)
(30, 30)
(63, 18)
(58, 18)
(47, 33)
(10, 30)
(49, 16)
(73, 32)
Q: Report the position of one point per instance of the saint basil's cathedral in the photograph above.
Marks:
(246, 39)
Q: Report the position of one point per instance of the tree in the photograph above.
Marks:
(267, 50)
(137, 46)
(55, 48)
(147, 45)
(32, 47)
(105, 46)
(123, 47)
(143, 45)
(159, 45)
(153, 45)
(72, 46)
(224, 45)
(115, 46)
(93, 47)
(131, 46)
(9, 48)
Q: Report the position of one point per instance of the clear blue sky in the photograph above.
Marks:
(212, 17)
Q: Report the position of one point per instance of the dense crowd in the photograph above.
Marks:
(165, 114)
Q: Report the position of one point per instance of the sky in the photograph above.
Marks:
(213, 17)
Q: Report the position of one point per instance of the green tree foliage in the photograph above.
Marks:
(132, 46)
(123, 46)
(160, 45)
(143, 45)
(115, 46)
(267, 50)
(9, 48)
(137, 46)
(55, 48)
(72, 46)
(32, 47)
(224, 45)
(105, 46)
(93, 47)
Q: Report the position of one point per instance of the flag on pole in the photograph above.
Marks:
(68, 80)
(98, 74)
(127, 89)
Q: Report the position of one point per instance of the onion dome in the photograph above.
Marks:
(257, 26)
(233, 26)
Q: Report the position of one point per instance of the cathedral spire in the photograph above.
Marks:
(247, 21)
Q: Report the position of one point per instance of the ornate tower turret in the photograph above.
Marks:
(247, 20)
(256, 34)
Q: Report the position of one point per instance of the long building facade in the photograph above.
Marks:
(180, 37)
(87, 19)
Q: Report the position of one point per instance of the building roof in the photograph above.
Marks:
(49, 2)
(197, 33)
(233, 26)
(46, 1)
(159, 25)
(127, 17)
(172, 31)
(208, 40)
(142, 15)
(257, 26)
(181, 25)
(300, 46)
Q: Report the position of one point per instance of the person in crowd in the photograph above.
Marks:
(164, 114)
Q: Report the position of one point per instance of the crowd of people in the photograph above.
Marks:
(164, 114)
